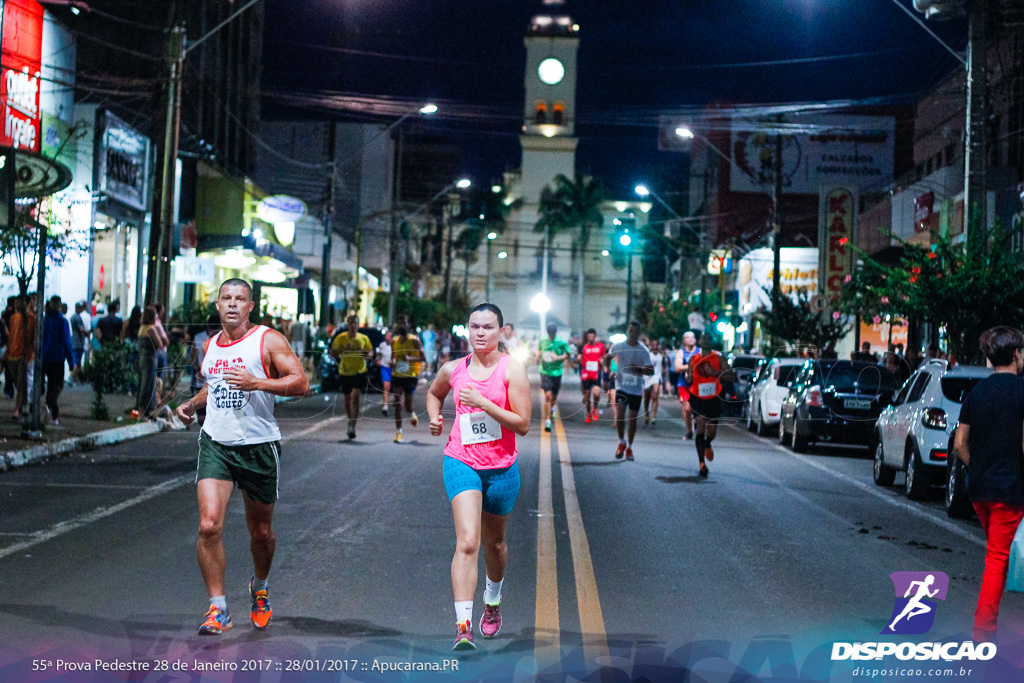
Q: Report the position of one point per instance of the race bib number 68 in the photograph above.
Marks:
(478, 427)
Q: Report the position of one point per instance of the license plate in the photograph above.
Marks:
(856, 404)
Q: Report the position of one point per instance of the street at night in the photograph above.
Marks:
(639, 567)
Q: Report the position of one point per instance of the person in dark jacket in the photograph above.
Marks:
(56, 352)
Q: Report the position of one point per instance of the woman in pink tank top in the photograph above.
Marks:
(492, 406)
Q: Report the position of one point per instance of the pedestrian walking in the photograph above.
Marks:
(21, 351)
(552, 352)
(56, 351)
(10, 369)
(481, 476)
(245, 367)
(353, 350)
(989, 442)
(633, 361)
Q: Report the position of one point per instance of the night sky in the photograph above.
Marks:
(638, 58)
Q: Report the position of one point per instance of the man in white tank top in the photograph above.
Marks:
(244, 367)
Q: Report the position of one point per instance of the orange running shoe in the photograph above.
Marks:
(586, 420)
(709, 453)
(620, 451)
(703, 471)
(629, 454)
(260, 614)
(217, 621)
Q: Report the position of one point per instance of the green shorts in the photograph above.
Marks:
(254, 469)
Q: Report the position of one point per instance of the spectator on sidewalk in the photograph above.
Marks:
(148, 344)
(10, 371)
(56, 351)
(21, 351)
(79, 339)
(163, 342)
(110, 327)
(989, 442)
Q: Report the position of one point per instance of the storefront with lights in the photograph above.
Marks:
(234, 237)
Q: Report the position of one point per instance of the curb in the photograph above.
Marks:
(13, 459)
(107, 437)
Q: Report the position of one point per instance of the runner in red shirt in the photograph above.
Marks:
(704, 380)
(590, 373)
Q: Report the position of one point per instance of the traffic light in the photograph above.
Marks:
(713, 316)
(357, 300)
(624, 240)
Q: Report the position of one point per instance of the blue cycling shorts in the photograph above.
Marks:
(500, 488)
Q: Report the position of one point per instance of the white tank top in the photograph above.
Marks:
(234, 417)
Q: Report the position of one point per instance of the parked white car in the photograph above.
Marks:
(912, 434)
(767, 395)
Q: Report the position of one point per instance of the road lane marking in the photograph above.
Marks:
(61, 528)
(71, 485)
(912, 508)
(595, 639)
(547, 635)
(67, 526)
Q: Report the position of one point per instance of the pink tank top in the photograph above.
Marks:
(480, 449)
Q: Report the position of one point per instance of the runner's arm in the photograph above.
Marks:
(438, 391)
(680, 365)
(287, 378)
(187, 411)
(960, 445)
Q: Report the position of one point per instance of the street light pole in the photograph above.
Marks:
(396, 197)
(629, 284)
(777, 223)
(544, 278)
(490, 268)
(977, 104)
(325, 267)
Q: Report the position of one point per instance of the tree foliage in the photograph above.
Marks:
(110, 369)
(968, 286)
(19, 243)
(794, 322)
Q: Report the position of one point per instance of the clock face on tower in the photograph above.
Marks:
(551, 71)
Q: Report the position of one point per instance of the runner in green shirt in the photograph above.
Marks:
(551, 353)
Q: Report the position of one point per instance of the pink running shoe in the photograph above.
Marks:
(464, 636)
(490, 622)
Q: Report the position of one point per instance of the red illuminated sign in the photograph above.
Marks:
(835, 245)
(19, 75)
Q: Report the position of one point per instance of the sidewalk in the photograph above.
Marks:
(77, 429)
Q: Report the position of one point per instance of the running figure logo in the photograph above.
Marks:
(916, 592)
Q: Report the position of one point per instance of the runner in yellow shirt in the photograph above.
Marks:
(407, 359)
(352, 350)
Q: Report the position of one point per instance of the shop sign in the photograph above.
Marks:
(122, 161)
(19, 77)
(719, 261)
(194, 270)
(281, 208)
(836, 239)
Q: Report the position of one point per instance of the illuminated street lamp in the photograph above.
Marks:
(540, 305)
(428, 109)
(463, 183)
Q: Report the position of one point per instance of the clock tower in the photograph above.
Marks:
(549, 112)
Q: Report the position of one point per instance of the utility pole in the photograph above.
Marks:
(161, 238)
(777, 221)
(975, 199)
(396, 198)
(325, 264)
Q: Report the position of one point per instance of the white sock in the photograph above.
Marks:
(463, 611)
(219, 601)
(492, 592)
(399, 430)
(259, 585)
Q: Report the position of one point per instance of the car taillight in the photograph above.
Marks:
(934, 418)
(814, 398)
(939, 454)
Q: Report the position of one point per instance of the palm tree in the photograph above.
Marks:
(480, 214)
(573, 206)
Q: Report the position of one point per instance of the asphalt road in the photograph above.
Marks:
(639, 567)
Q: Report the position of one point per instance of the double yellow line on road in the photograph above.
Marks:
(547, 638)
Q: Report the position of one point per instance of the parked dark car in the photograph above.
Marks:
(736, 392)
(836, 401)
